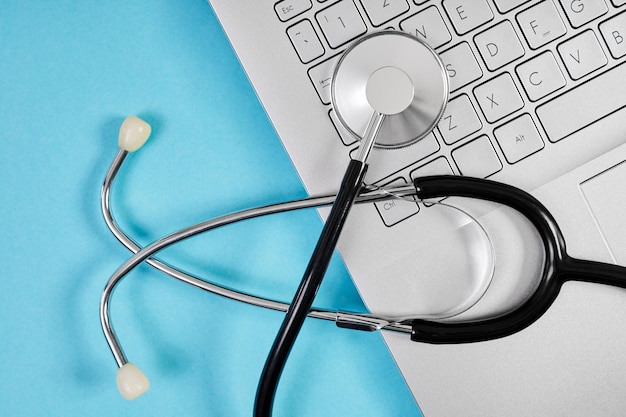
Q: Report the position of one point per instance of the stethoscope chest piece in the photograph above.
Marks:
(396, 64)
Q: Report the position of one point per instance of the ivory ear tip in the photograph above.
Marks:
(134, 132)
(131, 382)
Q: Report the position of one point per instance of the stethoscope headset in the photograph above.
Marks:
(389, 89)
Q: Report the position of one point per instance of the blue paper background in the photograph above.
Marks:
(70, 71)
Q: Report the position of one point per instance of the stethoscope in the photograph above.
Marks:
(378, 88)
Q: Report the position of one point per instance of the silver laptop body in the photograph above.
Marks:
(538, 90)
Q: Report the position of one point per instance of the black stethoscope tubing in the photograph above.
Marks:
(558, 266)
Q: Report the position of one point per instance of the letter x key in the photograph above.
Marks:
(498, 98)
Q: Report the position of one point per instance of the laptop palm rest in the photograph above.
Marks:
(605, 195)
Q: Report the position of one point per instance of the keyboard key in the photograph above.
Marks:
(467, 15)
(518, 139)
(344, 134)
(341, 23)
(498, 98)
(541, 24)
(305, 40)
(288, 9)
(506, 5)
(459, 120)
(580, 12)
(428, 25)
(394, 211)
(541, 76)
(321, 76)
(618, 2)
(499, 45)
(583, 105)
(582, 55)
(614, 34)
(461, 65)
(382, 11)
(439, 166)
(477, 158)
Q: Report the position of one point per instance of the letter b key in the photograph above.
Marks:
(614, 33)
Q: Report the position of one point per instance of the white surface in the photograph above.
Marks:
(570, 362)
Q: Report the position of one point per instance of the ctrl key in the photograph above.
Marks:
(393, 211)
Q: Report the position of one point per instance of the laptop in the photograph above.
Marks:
(537, 100)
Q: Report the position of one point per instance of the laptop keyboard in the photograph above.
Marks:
(516, 67)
